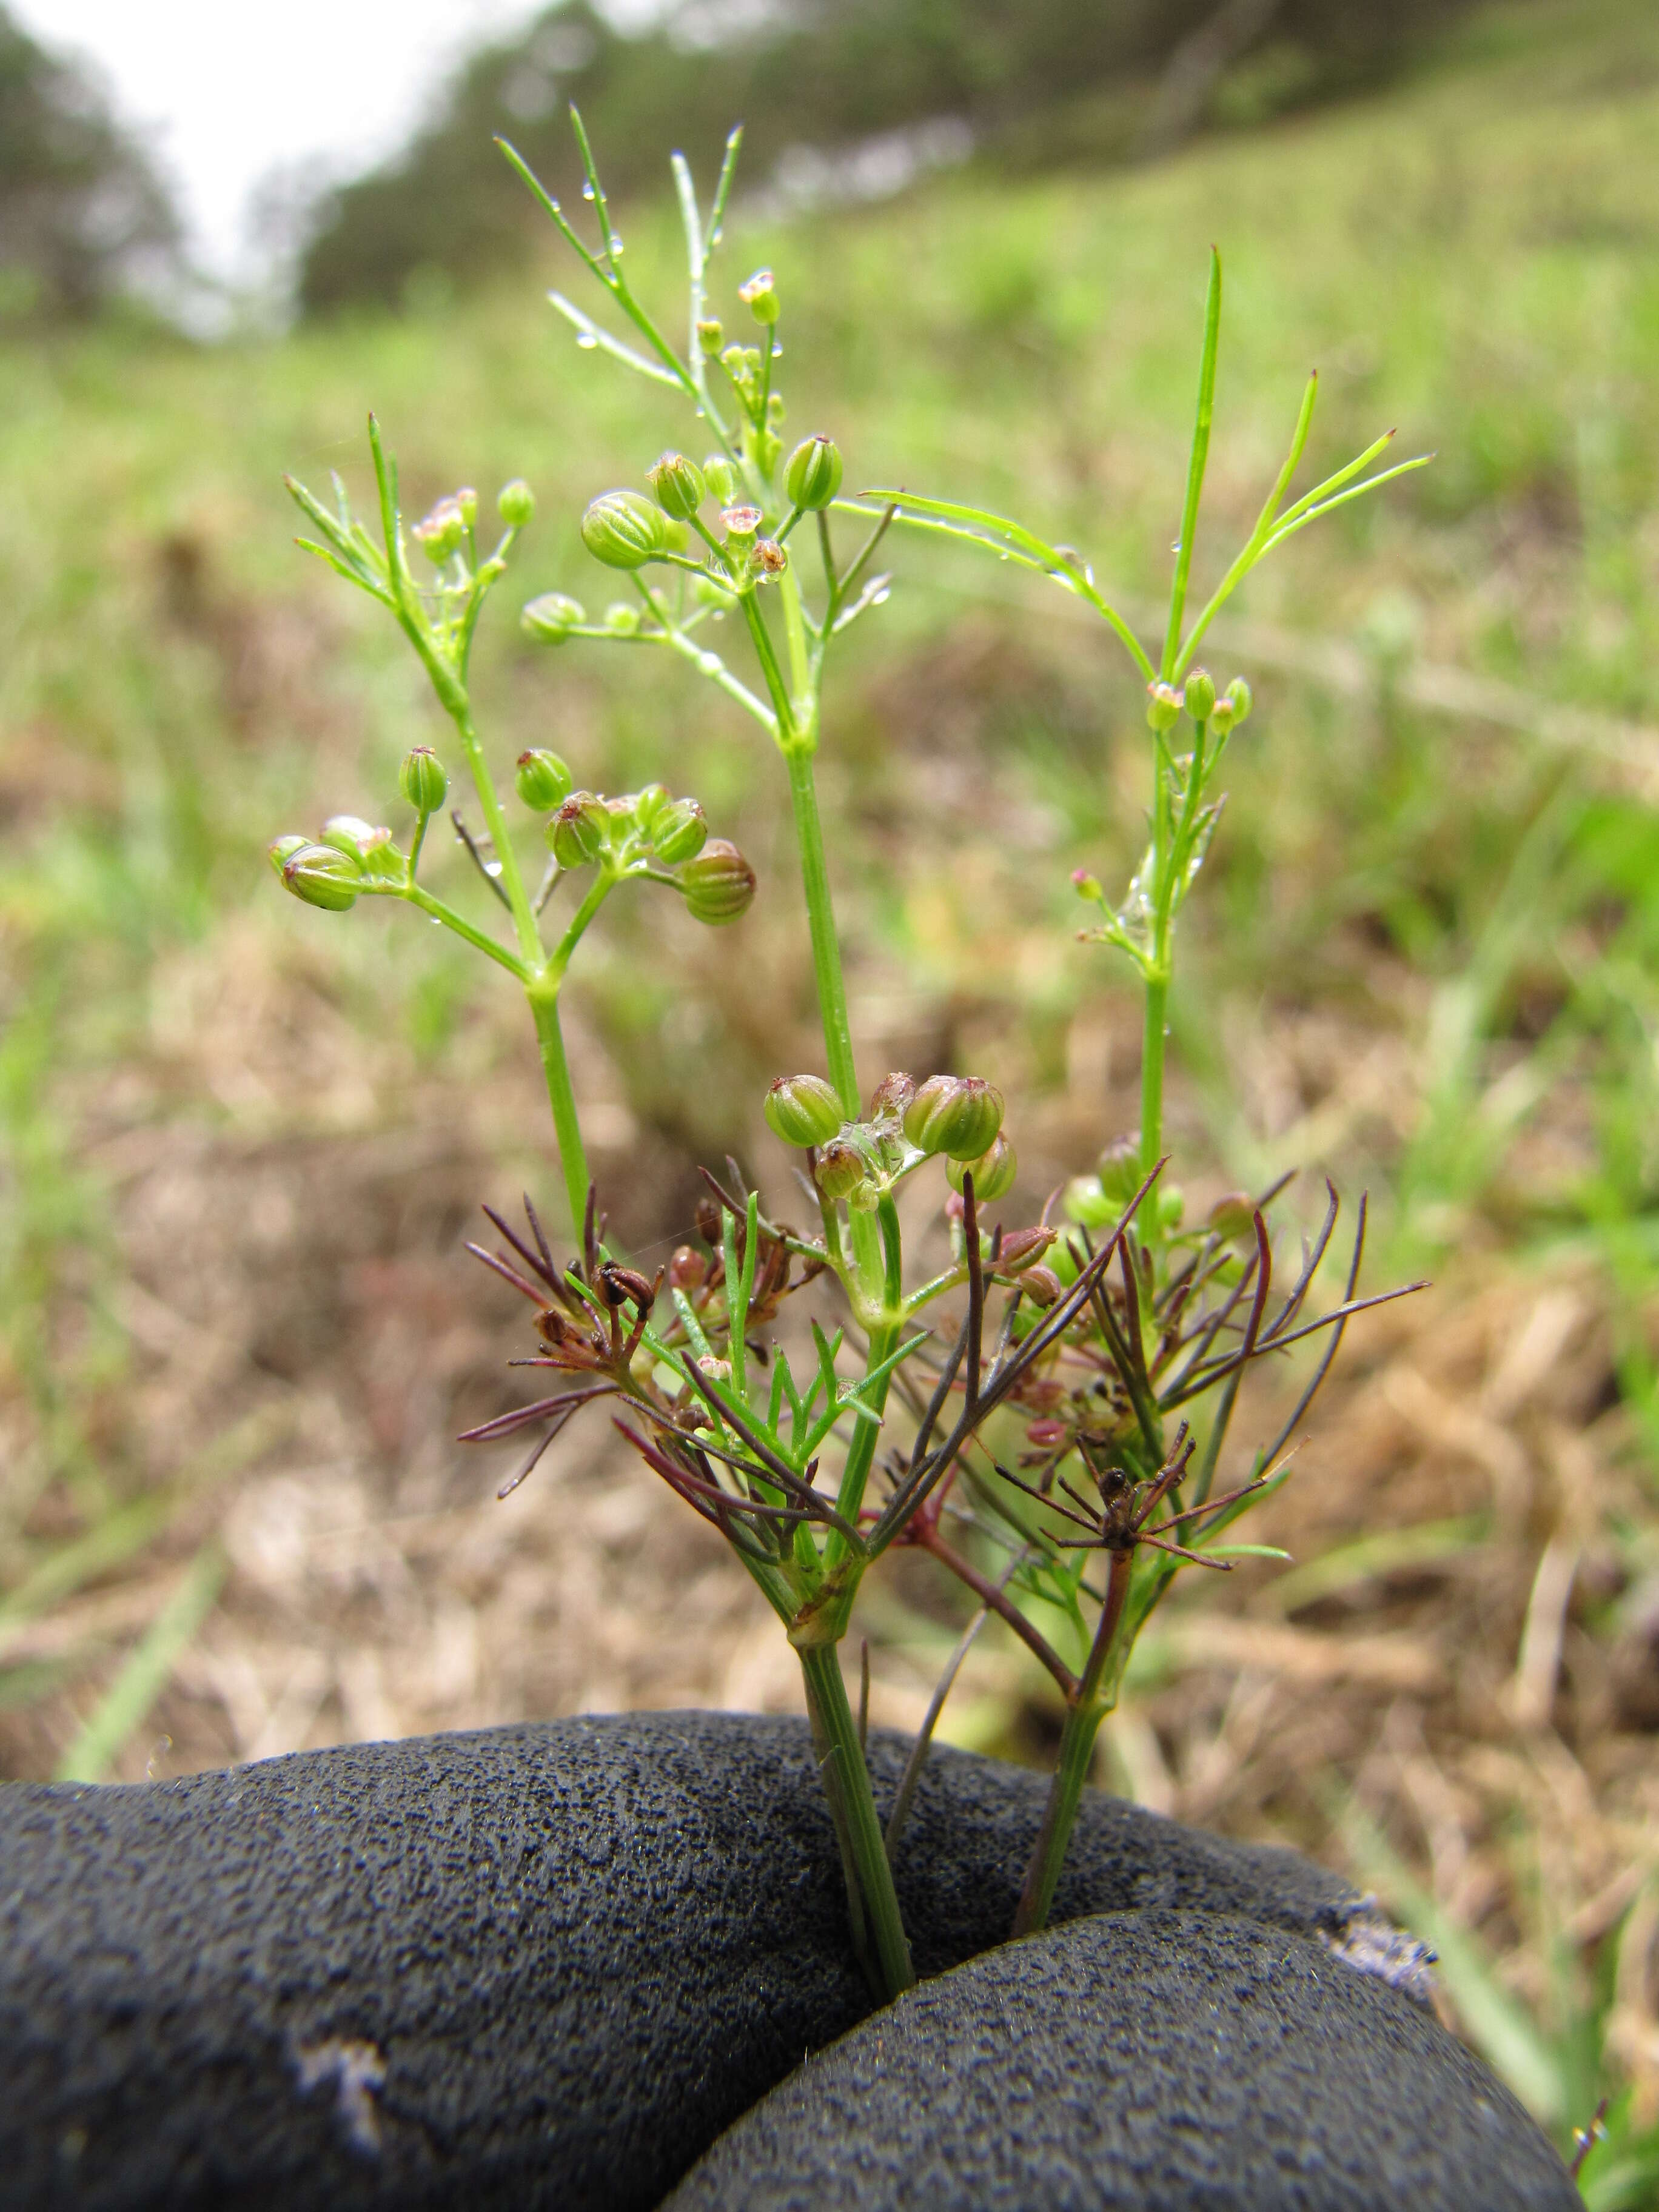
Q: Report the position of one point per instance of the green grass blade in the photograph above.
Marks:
(723, 190)
(146, 1674)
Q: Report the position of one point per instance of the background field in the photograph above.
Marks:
(242, 1141)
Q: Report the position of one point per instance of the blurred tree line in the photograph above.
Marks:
(84, 216)
(1032, 84)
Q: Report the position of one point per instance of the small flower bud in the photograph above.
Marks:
(740, 524)
(621, 619)
(1233, 1215)
(776, 408)
(802, 1109)
(1221, 717)
(958, 1116)
(717, 474)
(515, 503)
(994, 1172)
(686, 1269)
(1198, 698)
(550, 619)
(1120, 1173)
(891, 1095)
(841, 1169)
(1046, 1434)
(813, 475)
(1163, 705)
(579, 831)
(769, 559)
(618, 1286)
(467, 500)
(1085, 885)
(760, 296)
(422, 781)
(281, 850)
(1171, 1207)
(1023, 1249)
(1238, 692)
(439, 533)
(679, 832)
(677, 485)
(324, 876)
(711, 335)
(542, 779)
(718, 884)
(1042, 1285)
(624, 529)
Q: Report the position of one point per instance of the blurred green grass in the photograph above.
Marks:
(1475, 258)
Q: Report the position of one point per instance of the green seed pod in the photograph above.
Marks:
(621, 620)
(281, 850)
(1171, 1207)
(550, 619)
(467, 500)
(840, 1170)
(324, 876)
(717, 474)
(648, 807)
(1041, 1285)
(802, 1109)
(994, 1172)
(956, 1115)
(542, 779)
(718, 884)
(1239, 693)
(439, 533)
(890, 1096)
(1163, 705)
(579, 831)
(711, 335)
(1221, 718)
(813, 475)
(624, 529)
(679, 832)
(349, 833)
(1023, 1249)
(760, 296)
(1198, 698)
(1120, 1173)
(515, 503)
(677, 485)
(422, 781)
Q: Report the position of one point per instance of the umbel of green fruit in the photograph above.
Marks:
(321, 875)
(803, 1110)
(422, 781)
(994, 1172)
(550, 619)
(956, 1115)
(813, 475)
(624, 529)
(719, 884)
(542, 779)
(579, 831)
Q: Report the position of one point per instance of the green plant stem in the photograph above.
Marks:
(821, 925)
(543, 992)
(1086, 1709)
(1151, 1071)
(847, 1780)
(417, 895)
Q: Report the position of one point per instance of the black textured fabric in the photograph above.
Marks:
(533, 1965)
(1173, 2062)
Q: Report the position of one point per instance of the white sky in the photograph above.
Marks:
(224, 91)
